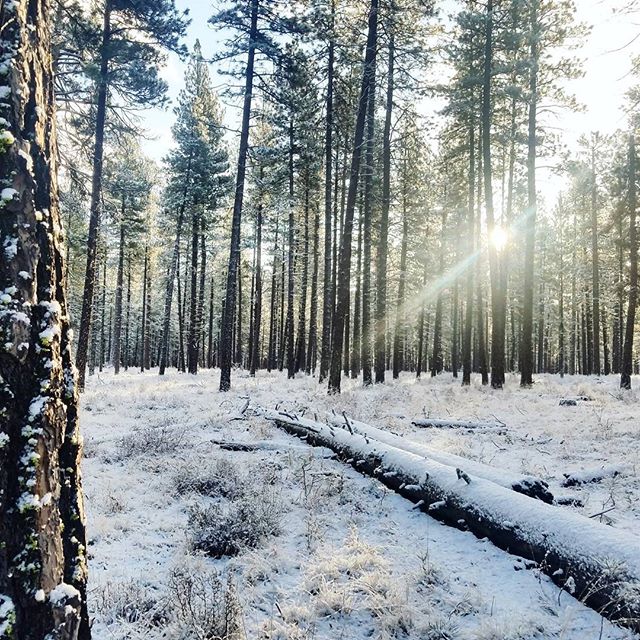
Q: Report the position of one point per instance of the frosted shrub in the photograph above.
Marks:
(203, 606)
(225, 529)
(130, 602)
(149, 441)
(217, 479)
(440, 629)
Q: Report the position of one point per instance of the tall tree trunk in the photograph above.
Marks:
(96, 194)
(289, 328)
(345, 248)
(93, 347)
(226, 346)
(368, 215)
(481, 357)
(627, 354)
(605, 343)
(383, 240)
(327, 289)
(201, 287)
(356, 343)
(618, 332)
(282, 339)
(526, 347)
(399, 326)
(541, 325)
(561, 329)
(42, 535)
(312, 349)
(468, 318)
(117, 327)
(273, 324)
(210, 340)
(421, 327)
(437, 363)
(257, 305)
(181, 296)
(192, 349)
(127, 328)
(238, 358)
(301, 350)
(498, 294)
(594, 262)
(103, 308)
(143, 325)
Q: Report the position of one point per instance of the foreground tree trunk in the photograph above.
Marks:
(226, 333)
(42, 538)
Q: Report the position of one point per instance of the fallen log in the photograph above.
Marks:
(528, 485)
(597, 564)
(591, 475)
(497, 427)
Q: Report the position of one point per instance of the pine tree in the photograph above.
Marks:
(198, 182)
(129, 53)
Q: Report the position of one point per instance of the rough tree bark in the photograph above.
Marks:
(42, 537)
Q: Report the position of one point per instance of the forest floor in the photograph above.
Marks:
(311, 549)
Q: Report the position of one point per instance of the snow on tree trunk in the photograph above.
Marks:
(42, 538)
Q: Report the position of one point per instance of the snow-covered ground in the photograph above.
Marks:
(328, 553)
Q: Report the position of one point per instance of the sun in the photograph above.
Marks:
(499, 237)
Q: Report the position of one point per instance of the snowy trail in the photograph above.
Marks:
(352, 560)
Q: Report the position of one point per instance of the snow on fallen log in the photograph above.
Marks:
(498, 427)
(528, 485)
(592, 475)
(597, 564)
